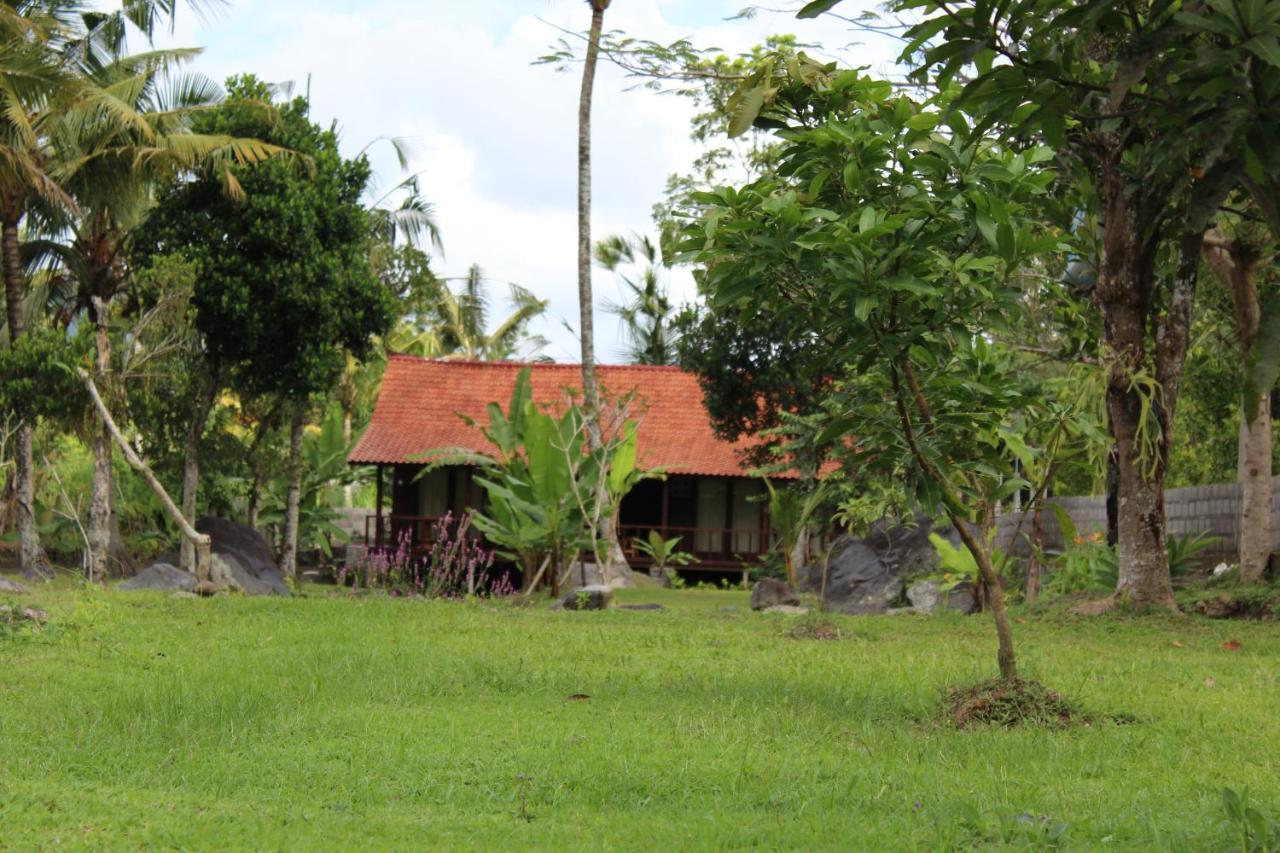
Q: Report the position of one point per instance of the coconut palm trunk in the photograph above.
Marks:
(98, 535)
(28, 534)
(617, 561)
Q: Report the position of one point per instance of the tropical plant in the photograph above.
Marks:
(791, 514)
(548, 488)
(664, 553)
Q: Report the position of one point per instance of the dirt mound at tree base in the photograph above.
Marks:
(1010, 702)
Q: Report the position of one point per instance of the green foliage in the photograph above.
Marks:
(38, 381)
(664, 552)
(957, 565)
(889, 246)
(1086, 565)
(1255, 832)
(299, 290)
(547, 488)
(325, 473)
(1185, 551)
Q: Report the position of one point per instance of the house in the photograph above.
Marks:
(708, 500)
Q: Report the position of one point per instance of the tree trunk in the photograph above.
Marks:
(1255, 492)
(1037, 548)
(99, 531)
(255, 496)
(191, 470)
(994, 599)
(1123, 293)
(289, 559)
(29, 553)
(349, 490)
(586, 301)
(1235, 263)
(202, 543)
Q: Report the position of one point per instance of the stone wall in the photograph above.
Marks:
(1215, 509)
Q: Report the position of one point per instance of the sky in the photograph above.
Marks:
(493, 136)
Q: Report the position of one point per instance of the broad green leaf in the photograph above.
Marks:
(744, 114)
(867, 220)
(816, 7)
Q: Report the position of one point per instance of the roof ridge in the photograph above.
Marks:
(561, 365)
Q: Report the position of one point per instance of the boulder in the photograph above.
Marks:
(12, 587)
(868, 575)
(927, 596)
(859, 582)
(163, 576)
(590, 597)
(770, 592)
(242, 558)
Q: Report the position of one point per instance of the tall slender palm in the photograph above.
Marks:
(646, 316)
(586, 303)
(33, 81)
(108, 155)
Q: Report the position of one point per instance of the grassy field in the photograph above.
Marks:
(324, 723)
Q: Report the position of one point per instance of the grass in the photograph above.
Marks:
(136, 720)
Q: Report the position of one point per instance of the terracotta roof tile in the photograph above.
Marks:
(420, 402)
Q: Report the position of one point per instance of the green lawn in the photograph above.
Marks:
(326, 723)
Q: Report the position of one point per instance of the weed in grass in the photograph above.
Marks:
(815, 629)
(1252, 830)
(1010, 702)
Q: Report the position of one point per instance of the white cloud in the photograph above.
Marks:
(494, 136)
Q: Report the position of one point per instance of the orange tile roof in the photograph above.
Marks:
(421, 399)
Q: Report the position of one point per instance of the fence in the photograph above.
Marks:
(1188, 511)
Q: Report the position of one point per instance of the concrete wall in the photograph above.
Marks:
(1188, 511)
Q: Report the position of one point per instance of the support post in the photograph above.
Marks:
(377, 504)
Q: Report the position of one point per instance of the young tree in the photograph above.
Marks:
(299, 292)
(893, 241)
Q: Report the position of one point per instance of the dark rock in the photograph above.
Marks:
(161, 576)
(650, 606)
(868, 575)
(769, 592)
(859, 582)
(591, 597)
(245, 558)
(12, 587)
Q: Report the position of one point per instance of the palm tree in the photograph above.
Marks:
(31, 80)
(108, 155)
(586, 303)
(458, 324)
(647, 318)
